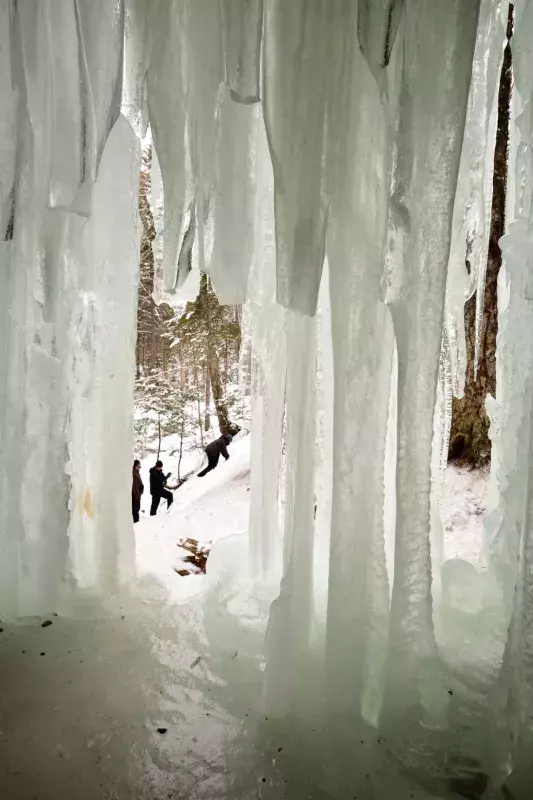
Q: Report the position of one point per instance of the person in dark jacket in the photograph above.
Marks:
(213, 452)
(137, 488)
(158, 488)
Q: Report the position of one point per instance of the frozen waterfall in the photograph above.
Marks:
(328, 162)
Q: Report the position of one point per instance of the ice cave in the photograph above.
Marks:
(329, 164)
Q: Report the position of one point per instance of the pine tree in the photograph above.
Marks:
(211, 335)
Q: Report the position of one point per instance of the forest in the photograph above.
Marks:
(189, 360)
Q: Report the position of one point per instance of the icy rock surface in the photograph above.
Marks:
(371, 146)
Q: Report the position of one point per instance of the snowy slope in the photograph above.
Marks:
(206, 509)
(211, 508)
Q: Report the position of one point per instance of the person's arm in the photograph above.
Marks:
(224, 450)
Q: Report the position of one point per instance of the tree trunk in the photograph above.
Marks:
(469, 437)
(181, 446)
(207, 420)
(213, 365)
(158, 435)
(216, 386)
(197, 392)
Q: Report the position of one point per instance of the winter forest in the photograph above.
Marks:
(266, 380)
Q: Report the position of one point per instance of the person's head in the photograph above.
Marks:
(159, 465)
(228, 438)
(136, 465)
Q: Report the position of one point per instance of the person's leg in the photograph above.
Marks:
(168, 496)
(155, 504)
(135, 508)
(212, 462)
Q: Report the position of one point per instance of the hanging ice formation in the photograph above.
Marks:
(366, 139)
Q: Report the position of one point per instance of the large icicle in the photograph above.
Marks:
(473, 200)
(52, 90)
(166, 106)
(101, 40)
(99, 365)
(184, 77)
(269, 360)
(509, 526)
(438, 46)
(73, 71)
(233, 201)
(289, 630)
(243, 23)
(136, 53)
(7, 123)
(362, 339)
(295, 67)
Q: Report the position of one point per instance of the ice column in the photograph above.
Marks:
(68, 312)
(7, 124)
(358, 595)
(289, 630)
(269, 360)
(438, 44)
(509, 537)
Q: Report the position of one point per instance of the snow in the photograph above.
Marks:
(206, 509)
(462, 509)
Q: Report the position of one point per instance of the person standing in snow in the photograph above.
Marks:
(137, 488)
(158, 488)
(213, 452)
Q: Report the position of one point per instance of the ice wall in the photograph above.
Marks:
(284, 132)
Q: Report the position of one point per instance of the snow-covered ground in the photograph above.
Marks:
(206, 509)
(209, 509)
(463, 506)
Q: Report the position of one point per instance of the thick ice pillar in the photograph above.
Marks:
(100, 368)
(509, 525)
(269, 364)
(65, 428)
(289, 629)
(438, 45)
(358, 594)
(8, 139)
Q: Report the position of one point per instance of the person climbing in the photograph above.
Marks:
(137, 488)
(213, 452)
(158, 488)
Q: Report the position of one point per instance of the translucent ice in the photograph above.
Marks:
(437, 41)
(296, 40)
(473, 200)
(372, 146)
(243, 22)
